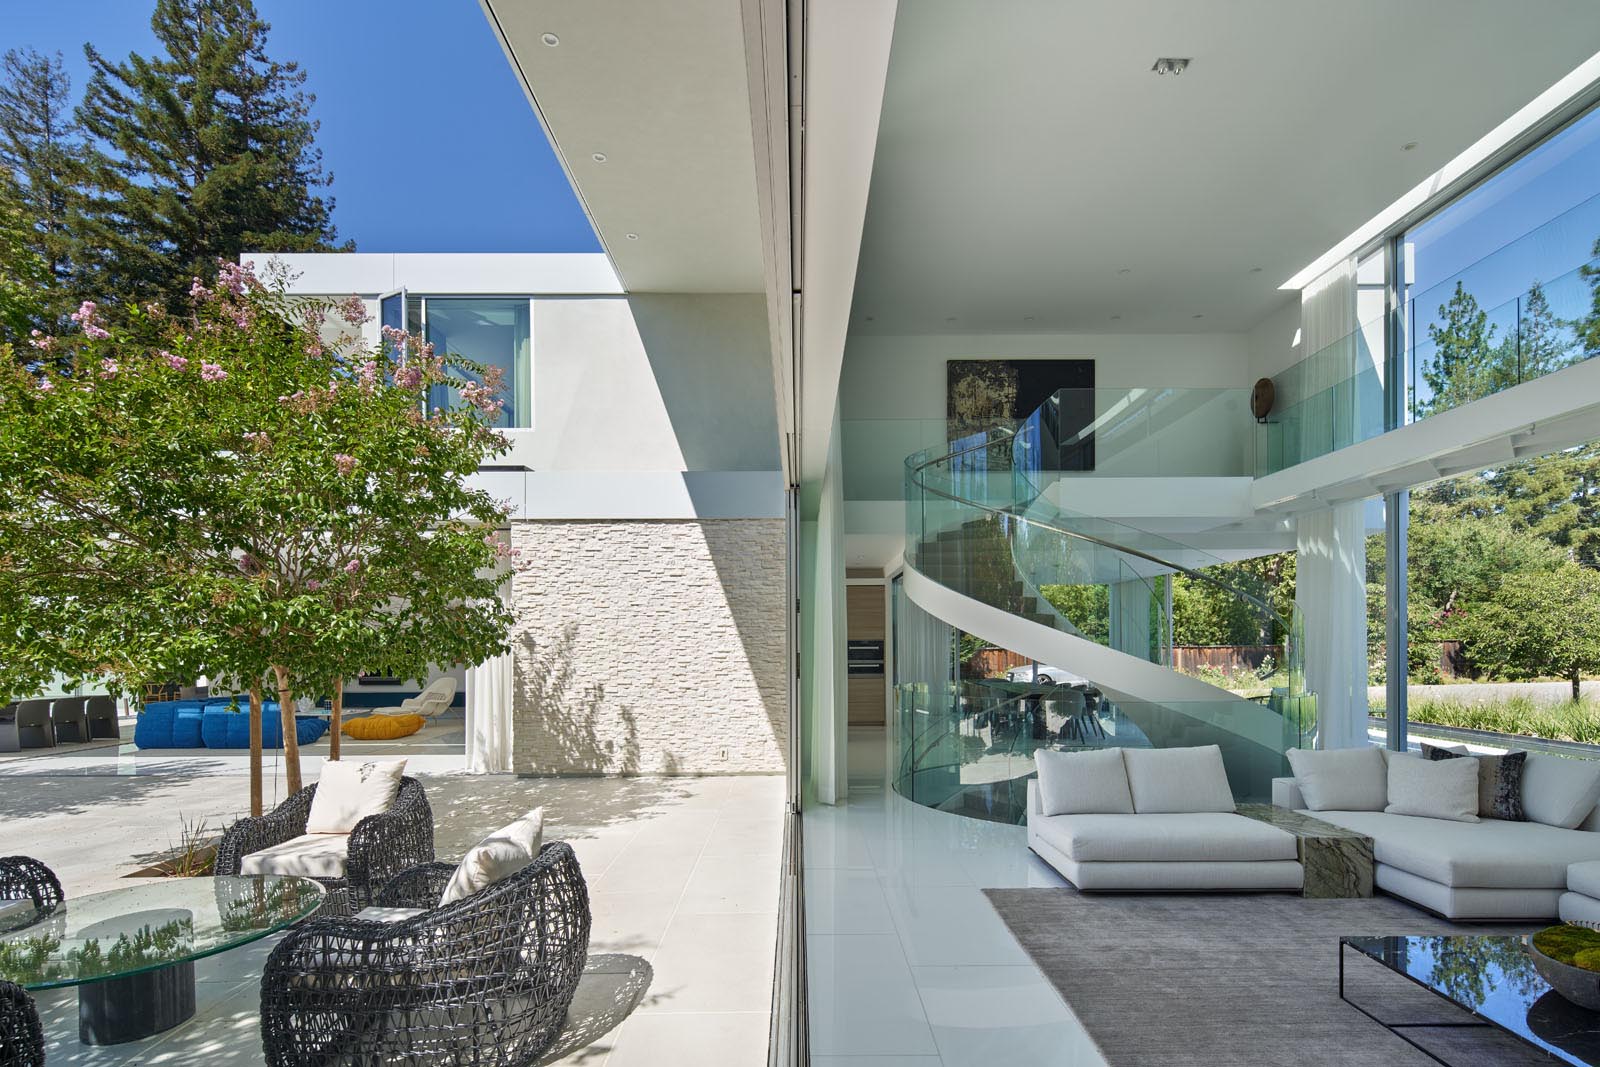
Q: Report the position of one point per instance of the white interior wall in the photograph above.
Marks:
(1270, 345)
(903, 377)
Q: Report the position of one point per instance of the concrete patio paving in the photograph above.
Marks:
(682, 874)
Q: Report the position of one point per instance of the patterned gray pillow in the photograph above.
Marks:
(1499, 782)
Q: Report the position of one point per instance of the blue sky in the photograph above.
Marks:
(431, 142)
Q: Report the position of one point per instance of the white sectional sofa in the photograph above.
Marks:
(1152, 819)
(1473, 867)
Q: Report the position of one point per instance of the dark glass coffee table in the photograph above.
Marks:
(1494, 979)
(131, 952)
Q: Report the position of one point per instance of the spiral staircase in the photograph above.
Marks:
(984, 541)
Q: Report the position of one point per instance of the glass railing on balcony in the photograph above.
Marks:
(1145, 432)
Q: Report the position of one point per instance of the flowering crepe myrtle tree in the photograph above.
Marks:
(247, 490)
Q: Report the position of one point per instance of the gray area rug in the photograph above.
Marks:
(1202, 980)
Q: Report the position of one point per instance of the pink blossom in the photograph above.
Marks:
(95, 333)
(108, 368)
(353, 567)
(85, 317)
(313, 584)
(354, 310)
(198, 290)
(46, 385)
(211, 372)
(408, 377)
(232, 277)
(369, 376)
(258, 439)
(345, 463)
(175, 362)
(43, 342)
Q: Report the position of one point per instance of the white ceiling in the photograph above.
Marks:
(661, 91)
(1028, 156)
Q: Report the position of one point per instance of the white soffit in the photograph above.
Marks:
(661, 92)
(1027, 154)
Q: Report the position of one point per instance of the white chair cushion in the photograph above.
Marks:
(1341, 779)
(1076, 783)
(349, 792)
(387, 915)
(1488, 854)
(1434, 789)
(501, 854)
(1585, 878)
(1192, 837)
(1178, 779)
(1559, 791)
(308, 856)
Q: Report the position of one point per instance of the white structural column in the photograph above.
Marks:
(1331, 593)
(1130, 617)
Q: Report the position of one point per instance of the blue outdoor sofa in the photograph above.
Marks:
(216, 724)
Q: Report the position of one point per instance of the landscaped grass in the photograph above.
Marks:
(1571, 721)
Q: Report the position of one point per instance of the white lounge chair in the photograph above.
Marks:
(431, 702)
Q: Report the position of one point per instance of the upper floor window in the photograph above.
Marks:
(495, 331)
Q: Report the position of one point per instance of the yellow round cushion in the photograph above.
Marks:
(383, 727)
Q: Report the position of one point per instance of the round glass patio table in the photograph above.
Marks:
(131, 951)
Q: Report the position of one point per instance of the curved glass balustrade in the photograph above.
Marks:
(989, 519)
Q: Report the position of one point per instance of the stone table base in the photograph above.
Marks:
(1337, 862)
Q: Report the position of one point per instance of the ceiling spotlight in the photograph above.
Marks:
(1255, 270)
(633, 237)
(599, 157)
(1197, 316)
(551, 39)
(1408, 146)
(1114, 318)
(1124, 270)
(1027, 318)
(952, 318)
(1170, 65)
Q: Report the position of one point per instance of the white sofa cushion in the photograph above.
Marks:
(308, 856)
(1585, 878)
(500, 855)
(1194, 837)
(1489, 854)
(1077, 783)
(1171, 780)
(1341, 779)
(1434, 789)
(1559, 791)
(349, 792)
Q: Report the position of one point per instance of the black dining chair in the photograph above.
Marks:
(70, 722)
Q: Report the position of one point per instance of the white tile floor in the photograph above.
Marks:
(682, 873)
(909, 966)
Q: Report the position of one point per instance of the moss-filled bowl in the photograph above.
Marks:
(1568, 957)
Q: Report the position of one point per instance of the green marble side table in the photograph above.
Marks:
(1337, 862)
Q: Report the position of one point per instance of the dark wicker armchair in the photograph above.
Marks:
(21, 1036)
(485, 980)
(381, 846)
(25, 878)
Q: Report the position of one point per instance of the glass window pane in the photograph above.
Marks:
(494, 332)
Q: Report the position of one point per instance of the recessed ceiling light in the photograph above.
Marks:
(1027, 318)
(551, 39)
(952, 318)
(1114, 318)
(1255, 270)
(599, 157)
(872, 318)
(1124, 270)
(633, 237)
(1170, 65)
(1197, 316)
(1408, 146)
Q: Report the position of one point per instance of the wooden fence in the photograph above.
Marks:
(1230, 659)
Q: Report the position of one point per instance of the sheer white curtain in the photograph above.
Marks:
(1331, 543)
(489, 715)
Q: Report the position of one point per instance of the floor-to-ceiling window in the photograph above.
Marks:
(1501, 283)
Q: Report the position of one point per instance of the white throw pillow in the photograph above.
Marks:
(1083, 783)
(1178, 779)
(349, 792)
(1341, 779)
(500, 855)
(1433, 789)
(1559, 790)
